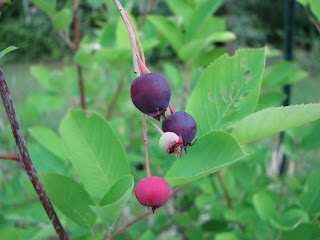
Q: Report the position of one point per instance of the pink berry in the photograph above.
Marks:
(153, 192)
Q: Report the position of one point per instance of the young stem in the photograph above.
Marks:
(76, 48)
(171, 109)
(156, 126)
(24, 158)
(225, 191)
(10, 157)
(145, 137)
(144, 215)
(115, 99)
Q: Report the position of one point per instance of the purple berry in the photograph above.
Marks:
(181, 123)
(151, 93)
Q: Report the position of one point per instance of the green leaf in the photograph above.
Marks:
(206, 58)
(200, 15)
(94, 150)
(315, 7)
(63, 19)
(122, 36)
(7, 50)
(13, 233)
(168, 29)
(225, 236)
(274, 120)
(294, 77)
(210, 153)
(264, 205)
(70, 198)
(45, 101)
(290, 220)
(172, 70)
(210, 26)
(277, 73)
(42, 74)
(148, 235)
(115, 200)
(181, 8)
(84, 57)
(49, 140)
(310, 197)
(44, 160)
(304, 231)
(270, 99)
(48, 6)
(221, 96)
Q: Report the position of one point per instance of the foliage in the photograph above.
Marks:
(87, 164)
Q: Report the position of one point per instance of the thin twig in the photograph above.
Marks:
(93, 235)
(153, 4)
(76, 48)
(115, 99)
(25, 161)
(67, 39)
(156, 126)
(225, 191)
(145, 138)
(144, 215)
(10, 157)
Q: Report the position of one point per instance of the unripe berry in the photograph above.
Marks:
(170, 142)
(153, 192)
(181, 123)
(151, 93)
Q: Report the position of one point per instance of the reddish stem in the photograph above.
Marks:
(76, 48)
(10, 157)
(24, 158)
(224, 190)
(171, 109)
(115, 99)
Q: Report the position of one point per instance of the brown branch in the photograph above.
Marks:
(76, 48)
(25, 161)
(115, 99)
(225, 191)
(10, 157)
(154, 3)
(144, 215)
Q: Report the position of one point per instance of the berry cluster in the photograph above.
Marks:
(151, 94)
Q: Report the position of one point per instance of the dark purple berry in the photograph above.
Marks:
(151, 93)
(181, 123)
(139, 166)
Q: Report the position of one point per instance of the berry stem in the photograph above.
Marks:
(156, 126)
(171, 109)
(10, 157)
(145, 137)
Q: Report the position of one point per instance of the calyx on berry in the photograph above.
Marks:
(170, 143)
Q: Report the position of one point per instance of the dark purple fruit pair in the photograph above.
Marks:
(151, 93)
(182, 124)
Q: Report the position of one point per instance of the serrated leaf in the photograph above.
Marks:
(210, 153)
(270, 99)
(42, 74)
(115, 200)
(7, 50)
(70, 198)
(168, 29)
(94, 150)
(310, 197)
(274, 120)
(221, 96)
(49, 140)
(63, 19)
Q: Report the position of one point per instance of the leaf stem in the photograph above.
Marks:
(10, 157)
(25, 161)
(76, 27)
